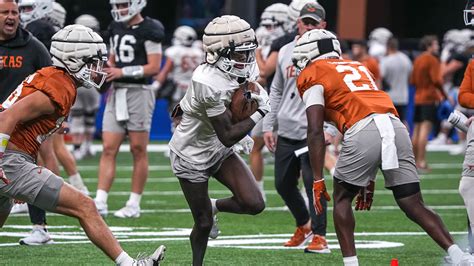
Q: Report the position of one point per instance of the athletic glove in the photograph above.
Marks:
(262, 99)
(365, 197)
(244, 146)
(319, 190)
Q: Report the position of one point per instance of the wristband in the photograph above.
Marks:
(257, 116)
(133, 72)
(4, 138)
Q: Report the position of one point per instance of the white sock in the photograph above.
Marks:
(123, 259)
(76, 178)
(350, 261)
(39, 226)
(214, 206)
(455, 253)
(262, 189)
(332, 171)
(101, 195)
(134, 199)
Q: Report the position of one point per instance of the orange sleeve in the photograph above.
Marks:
(466, 90)
(59, 89)
(435, 73)
(306, 79)
(373, 67)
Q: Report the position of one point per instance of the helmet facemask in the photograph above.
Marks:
(31, 10)
(469, 14)
(91, 75)
(238, 61)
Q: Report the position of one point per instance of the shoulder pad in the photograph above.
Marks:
(153, 30)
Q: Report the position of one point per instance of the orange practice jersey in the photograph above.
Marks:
(61, 90)
(373, 66)
(466, 90)
(350, 93)
(426, 78)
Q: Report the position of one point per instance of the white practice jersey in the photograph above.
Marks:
(208, 95)
(185, 60)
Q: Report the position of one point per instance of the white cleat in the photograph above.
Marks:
(215, 232)
(37, 237)
(101, 208)
(19, 208)
(129, 211)
(152, 260)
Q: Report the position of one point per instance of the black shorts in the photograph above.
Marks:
(426, 112)
(402, 112)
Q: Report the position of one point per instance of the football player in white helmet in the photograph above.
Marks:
(378, 42)
(181, 60)
(369, 121)
(40, 104)
(31, 10)
(135, 57)
(58, 16)
(201, 145)
(83, 113)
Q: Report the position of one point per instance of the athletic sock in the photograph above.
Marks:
(134, 199)
(350, 261)
(455, 253)
(101, 195)
(124, 259)
(214, 206)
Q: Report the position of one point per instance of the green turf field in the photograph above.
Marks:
(245, 240)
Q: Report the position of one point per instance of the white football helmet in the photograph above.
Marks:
(274, 15)
(31, 10)
(230, 43)
(184, 35)
(469, 13)
(313, 45)
(58, 16)
(134, 7)
(380, 35)
(294, 12)
(88, 21)
(82, 52)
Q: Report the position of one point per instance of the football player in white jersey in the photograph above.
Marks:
(201, 145)
(181, 60)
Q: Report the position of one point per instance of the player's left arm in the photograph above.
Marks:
(27, 109)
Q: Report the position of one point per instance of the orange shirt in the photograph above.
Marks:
(426, 78)
(373, 66)
(350, 93)
(61, 90)
(466, 90)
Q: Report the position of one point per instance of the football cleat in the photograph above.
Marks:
(215, 232)
(101, 208)
(300, 237)
(19, 208)
(152, 260)
(38, 236)
(318, 245)
(129, 211)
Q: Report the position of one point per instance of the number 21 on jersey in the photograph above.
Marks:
(358, 74)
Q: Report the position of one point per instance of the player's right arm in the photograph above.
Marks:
(466, 90)
(229, 133)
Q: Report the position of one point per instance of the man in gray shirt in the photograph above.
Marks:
(288, 110)
(396, 69)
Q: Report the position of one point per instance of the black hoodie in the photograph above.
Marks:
(20, 57)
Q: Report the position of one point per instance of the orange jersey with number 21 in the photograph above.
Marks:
(60, 89)
(350, 93)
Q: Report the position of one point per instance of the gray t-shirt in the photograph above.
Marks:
(288, 110)
(396, 69)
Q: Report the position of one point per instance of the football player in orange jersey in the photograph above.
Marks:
(31, 114)
(344, 93)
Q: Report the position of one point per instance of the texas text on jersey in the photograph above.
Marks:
(128, 44)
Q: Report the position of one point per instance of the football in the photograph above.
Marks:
(242, 106)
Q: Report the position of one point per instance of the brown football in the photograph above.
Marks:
(242, 106)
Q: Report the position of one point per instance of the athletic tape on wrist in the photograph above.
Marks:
(257, 116)
(133, 72)
(4, 138)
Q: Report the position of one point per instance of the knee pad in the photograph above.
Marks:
(405, 190)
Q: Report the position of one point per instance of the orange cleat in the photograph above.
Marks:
(318, 245)
(300, 237)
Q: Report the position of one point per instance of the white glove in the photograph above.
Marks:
(263, 102)
(244, 146)
(155, 86)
